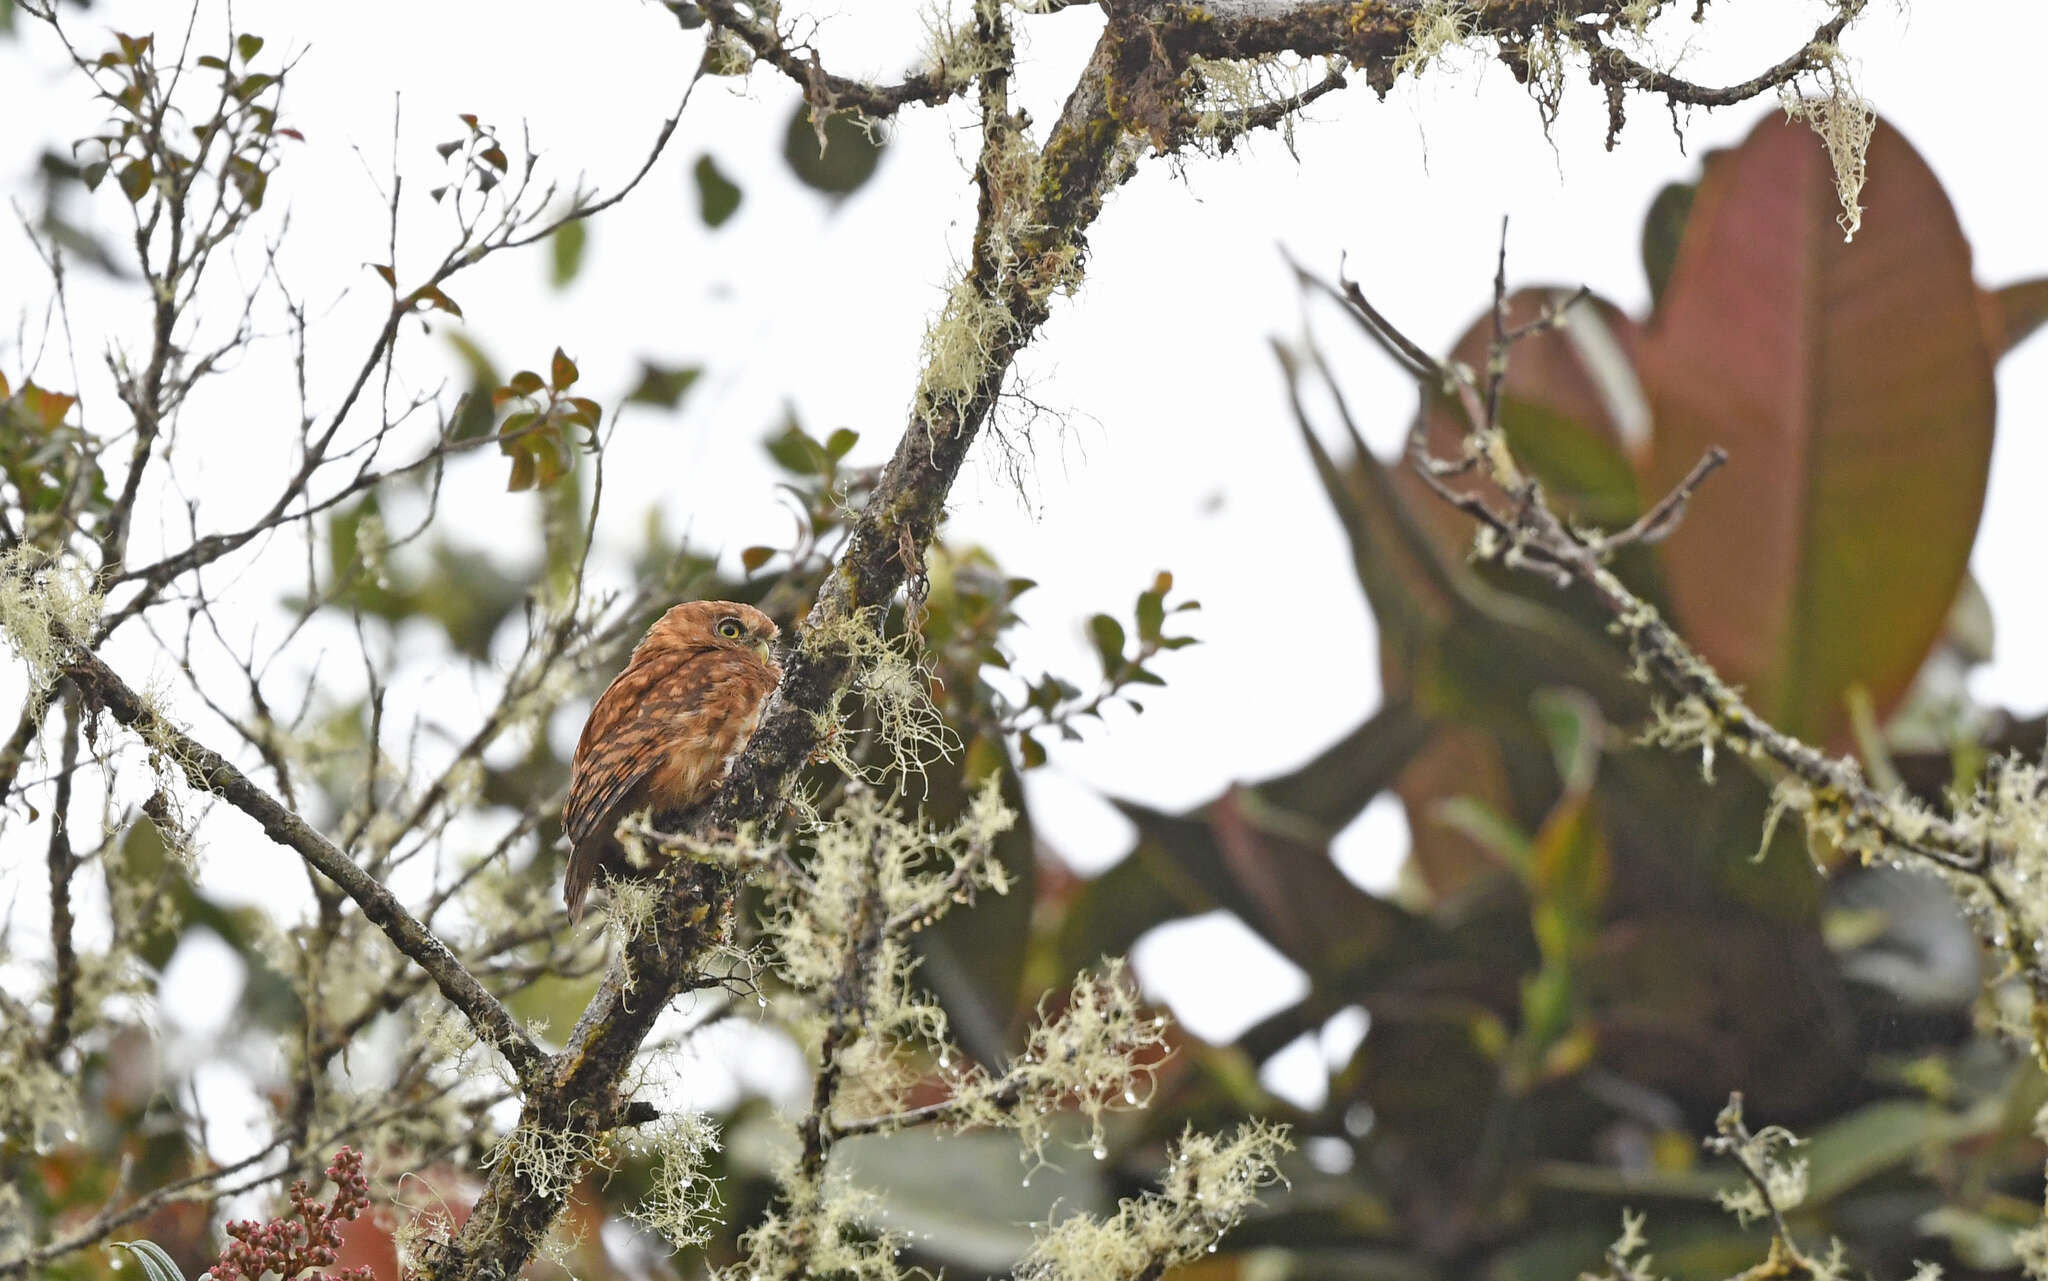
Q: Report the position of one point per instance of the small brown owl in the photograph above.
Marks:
(666, 730)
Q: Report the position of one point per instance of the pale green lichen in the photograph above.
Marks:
(1097, 1054)
(725, 54)
(1763, 1155)
(1628, 1258)
(682, 1200)
(1226, 91)
(873, 879)
(1543, 63)
(955, 51)
(828, 1227)
(1209, 1185)
(549, 1162)
(2030, 1245)
(895, 689)
(1637, 15)
(1690, 724)
(38, 1102)
(1845, 122)
(1438, 27)
(960, 354)
(629, 905)
(48, 607)
(15, 1238)
(1017, 267)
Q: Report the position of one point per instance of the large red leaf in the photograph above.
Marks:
(1851, 385)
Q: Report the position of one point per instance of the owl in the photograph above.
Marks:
(666, 730)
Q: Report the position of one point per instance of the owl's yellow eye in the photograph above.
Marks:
(730, 628)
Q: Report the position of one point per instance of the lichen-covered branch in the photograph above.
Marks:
(1985, 848)
(828, 93)
(209, 771)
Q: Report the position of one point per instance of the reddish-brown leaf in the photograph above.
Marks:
(1851, 385)
(561, 371)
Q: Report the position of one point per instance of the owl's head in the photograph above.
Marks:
(716, 624)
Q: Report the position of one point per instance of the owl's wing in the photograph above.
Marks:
(620, 746)
(616, 752)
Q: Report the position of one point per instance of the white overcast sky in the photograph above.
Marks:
(1172, 449)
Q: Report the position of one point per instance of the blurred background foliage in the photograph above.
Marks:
(1589, 950)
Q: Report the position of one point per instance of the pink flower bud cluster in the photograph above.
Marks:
(310, 1237)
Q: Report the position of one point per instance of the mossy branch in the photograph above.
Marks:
(211, 772)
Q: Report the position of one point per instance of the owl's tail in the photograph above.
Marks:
(584, 861)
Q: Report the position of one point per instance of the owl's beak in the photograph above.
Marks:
(766, 651)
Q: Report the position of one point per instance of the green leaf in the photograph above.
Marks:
(1572, 723)
(525, 383)
(840, 442)
(843, 164)
(1851, 385)
(1151, 614)
(156, 1264)
(1662, 228)
(248, 46)
(562, 373)
(662, 385)
(718, 197)
(1488, 828)
(1109, 642)
(135, 178)
(796, 451)
(565, 252)
(525, 473)
(753, 558)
